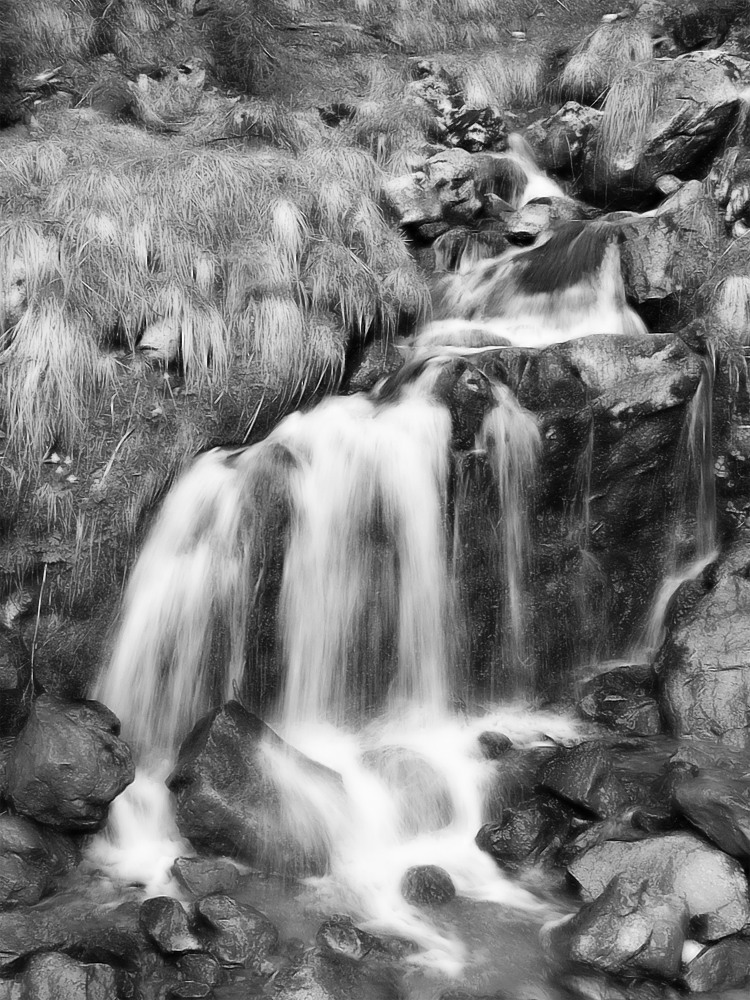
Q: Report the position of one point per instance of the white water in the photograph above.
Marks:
(367, 558)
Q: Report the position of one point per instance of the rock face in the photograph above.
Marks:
(628, 930)
(711, 884)
(694, 105)
(704, 666)
(623, 698)
(68, 764)
(31, 859)
(227, 794)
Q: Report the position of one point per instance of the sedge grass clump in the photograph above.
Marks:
(607, 53)
(729, 304)
(503, 79)
(47, 33)
(629, 110)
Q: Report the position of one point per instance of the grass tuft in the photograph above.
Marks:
(628, 111)
(608, 52)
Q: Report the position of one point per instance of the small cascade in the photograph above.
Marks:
(347, 508)
(510, 437)
(698, 480)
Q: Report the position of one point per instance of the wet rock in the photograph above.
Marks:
(228, 799)
(559, 141)
(31, 859)
(583, 776)
(321, 978)
(719, 806)
(427, 885)
(52, 976)
(202, 876)
(525, 225)
(373, 363)
(464, 244)
(236, 934)
(68, 764)
(467, 392)
(628, 930)
(602, 987)
(522, 830)
(15, 687)
(712, 885)
(704, 665)
(723, 965)
(623, 698)
(443, 193)
(200, 967)
(494, 745)
(680, 131)
(166, 923)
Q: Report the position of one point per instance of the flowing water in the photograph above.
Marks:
(323, 576)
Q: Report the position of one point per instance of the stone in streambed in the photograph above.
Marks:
(202, 876)
(200, 967)
(427, 885)
(629, 930)
(235, 933)
(339, 937)
(68, 764)
(712, 884)
(229, 799)
(583, 776)
(166, 923)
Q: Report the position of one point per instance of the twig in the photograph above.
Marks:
(112, 457)
(36, 627)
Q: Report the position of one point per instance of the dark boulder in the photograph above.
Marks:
(584, 777)
(719, 806)
(202, 876)
(560, 140)
(167, 924)
(200, 967)
(494, 745)
(712, 884)
(427, 885)
(628, 930)
(229, 799)
(522, 832)
(31, 860)
(68, 764)
(235, 933)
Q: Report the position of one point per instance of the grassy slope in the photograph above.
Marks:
(142, 204)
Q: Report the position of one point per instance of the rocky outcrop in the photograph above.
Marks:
(228, 800)
(68, 764)
(704, 665)
(687, 108)
(711, 884)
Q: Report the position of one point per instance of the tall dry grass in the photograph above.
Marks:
(604, 56)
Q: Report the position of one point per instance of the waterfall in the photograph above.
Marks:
(696, 456)
(349, 504)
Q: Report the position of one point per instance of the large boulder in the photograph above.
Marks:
(704, 665)
(443, 193)
(628, 930)
(230, 796)
(712, 885)
(31, 860)
(52, 976)
(719, 966)
(560, 140)
(68, 764)
(718, 804)
(166, 922)
(687, 106)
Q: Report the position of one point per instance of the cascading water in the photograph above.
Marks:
(697, 462)
(357, 493)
